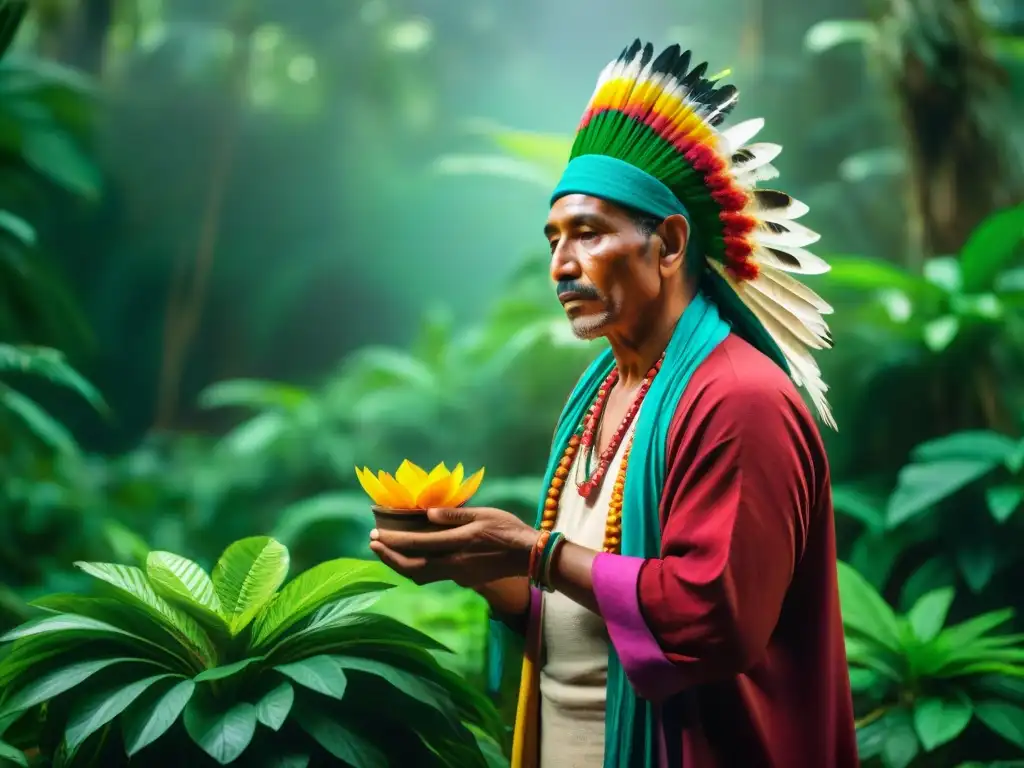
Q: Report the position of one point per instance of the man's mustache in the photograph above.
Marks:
(573, 286)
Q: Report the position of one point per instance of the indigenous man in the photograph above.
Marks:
(680, 597)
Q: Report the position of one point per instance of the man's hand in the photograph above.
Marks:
(483, 545)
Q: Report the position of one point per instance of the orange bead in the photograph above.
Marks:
(619, 485)
(553, 493)
(550, 503)
(557, 482)
(574, 441)
(565, 462)
(562, 473)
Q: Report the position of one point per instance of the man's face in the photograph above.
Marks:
(605, 269)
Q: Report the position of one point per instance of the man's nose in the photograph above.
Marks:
(563, 265)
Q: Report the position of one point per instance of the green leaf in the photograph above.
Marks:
(18, 228)
(96, 710)
(274, 707)
(859, 273)
(941, 332)
(971, 630)
(977, 562)
(254, 394)
(929, 613)
(179, 579)
(13, 754)
(938, 721)
(131, 582)
(411, 685)
(40, 423)
(246, 578)
(944, 272)
(1003, 501)
(323, 674)
(219, 673)
(150, 718)
(859, 505)
(339, 741)
(865, 611)
(826, 35)
(57, 682)
(920, 486)
(319, 585)
(292, 760)
(975, 445)
(900, 746)
(991, 247)
(51, 365)
(55, 155)
(221, 731)
(1003, 718)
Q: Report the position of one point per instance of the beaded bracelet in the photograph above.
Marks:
(534, 570)
(544, 562)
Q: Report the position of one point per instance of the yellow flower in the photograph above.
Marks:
(412, 487)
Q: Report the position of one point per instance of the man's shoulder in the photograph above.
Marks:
(739, 379)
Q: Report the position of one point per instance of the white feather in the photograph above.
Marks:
(789, 285)
(751, 178)
(793, 235)
(761, 154)
(760, 206)
(741, 133)
(790, 259)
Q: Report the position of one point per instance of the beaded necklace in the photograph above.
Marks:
(584, 438)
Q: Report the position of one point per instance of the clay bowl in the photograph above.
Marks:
(410, 520)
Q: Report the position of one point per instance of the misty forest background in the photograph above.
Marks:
(245, 246)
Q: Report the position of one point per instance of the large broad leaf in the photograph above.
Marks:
(228, 670)
(246, 578)
(920, 486)
(411, 685)
(221, 730)
(938, 721)
(990, 248)
(929, 613)
(1003, 718)
(323, 674)
(57, 682)
(275, 705)
(973, 445)
(859, 273)
(316, 587)
(181, 580)
(340, 741)
(133, 584)
(96, 710)
(865, 611)
(149, 718)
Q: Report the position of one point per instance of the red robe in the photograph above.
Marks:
(735, 630)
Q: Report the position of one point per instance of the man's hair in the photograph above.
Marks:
(645, 223)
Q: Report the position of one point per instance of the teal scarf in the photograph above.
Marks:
(631, 740)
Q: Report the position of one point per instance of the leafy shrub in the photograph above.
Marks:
(188, 668)
(924, 682)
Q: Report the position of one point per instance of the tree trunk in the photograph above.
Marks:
(954, 103)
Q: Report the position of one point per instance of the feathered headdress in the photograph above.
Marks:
(662, 117)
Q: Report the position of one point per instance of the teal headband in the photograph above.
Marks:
(618, 182)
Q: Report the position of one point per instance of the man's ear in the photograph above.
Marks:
(674, 232)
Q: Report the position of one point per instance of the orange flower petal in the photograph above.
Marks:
(466, 491)
(399, 496)
(411, 477)
(373, 487)
(436, 493)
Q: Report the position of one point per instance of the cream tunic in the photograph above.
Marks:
(574, 674)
